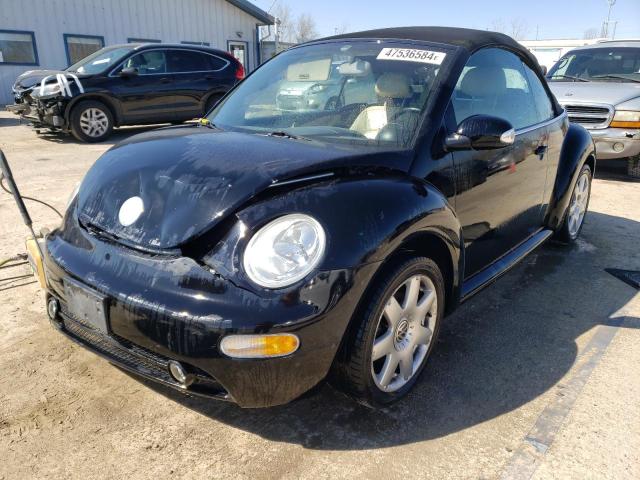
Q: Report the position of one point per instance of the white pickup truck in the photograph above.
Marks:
(599, 87)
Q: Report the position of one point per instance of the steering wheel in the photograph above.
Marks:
(395, 128)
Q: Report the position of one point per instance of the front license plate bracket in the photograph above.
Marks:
(86, 306)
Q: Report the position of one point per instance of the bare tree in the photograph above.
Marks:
(286, 27)
(498, 25)
(305, 28)
(342, 29)
(517, 28)
(590, 33)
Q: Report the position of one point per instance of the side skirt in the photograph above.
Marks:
(490, 274)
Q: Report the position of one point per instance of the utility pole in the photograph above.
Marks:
(605, 26)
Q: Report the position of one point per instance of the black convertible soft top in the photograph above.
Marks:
(467, 38)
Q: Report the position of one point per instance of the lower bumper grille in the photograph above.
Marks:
(139, 360)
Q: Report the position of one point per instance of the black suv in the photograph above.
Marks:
(126, 85)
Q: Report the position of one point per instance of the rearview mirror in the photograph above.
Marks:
(481, 132)
(129, 72)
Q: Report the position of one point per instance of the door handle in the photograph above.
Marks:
(165, 80)
(540, 151)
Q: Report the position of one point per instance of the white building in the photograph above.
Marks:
(49, 34)
(548, 52)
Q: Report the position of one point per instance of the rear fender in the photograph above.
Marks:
(577, 149)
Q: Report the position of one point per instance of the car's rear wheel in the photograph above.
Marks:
(395, 334)
(574, 218)
(91, 121)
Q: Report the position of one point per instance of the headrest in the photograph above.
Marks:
(393, 85)
(359, 68)
(483, 81)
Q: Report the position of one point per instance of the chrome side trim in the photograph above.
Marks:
(562, 116)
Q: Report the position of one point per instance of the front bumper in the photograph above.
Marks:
(171, 308)
(41, 114)
(614, 143)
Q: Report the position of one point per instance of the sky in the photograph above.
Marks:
(551, 19)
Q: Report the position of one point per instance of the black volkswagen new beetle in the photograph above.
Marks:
(253, 255)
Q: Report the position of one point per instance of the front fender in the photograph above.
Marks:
(577, 148)
(366, 219)
(94, 95)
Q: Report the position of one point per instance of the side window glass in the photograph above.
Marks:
(182, 61)
(147, 63)
(494, 83)
(544, 106)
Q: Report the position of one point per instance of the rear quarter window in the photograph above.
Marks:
(182, 61)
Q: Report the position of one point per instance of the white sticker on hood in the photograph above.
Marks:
(412, 55)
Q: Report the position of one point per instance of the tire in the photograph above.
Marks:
(91, 121)
(355, 372)
(569, 231)
(633, 166)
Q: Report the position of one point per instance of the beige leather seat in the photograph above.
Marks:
(480, 91)
(391, 88)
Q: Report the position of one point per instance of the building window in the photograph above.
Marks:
(201, 44)
(142, 40)
(239, 50)
(81, 46)
(18, 48)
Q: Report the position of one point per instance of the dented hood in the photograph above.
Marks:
(190, 178)
(32, 78)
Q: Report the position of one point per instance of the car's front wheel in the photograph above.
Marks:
(91, 121)
(395, 334)
(574, 218)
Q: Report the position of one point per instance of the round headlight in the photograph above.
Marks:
(284, 251)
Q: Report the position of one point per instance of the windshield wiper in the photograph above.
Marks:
(570, 77)
(283, 134)
(619, 77)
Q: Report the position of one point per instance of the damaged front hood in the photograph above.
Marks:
(188, 179)
(32, 78)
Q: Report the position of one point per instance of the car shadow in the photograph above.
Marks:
(507, 346)
(9, 122)
(614, 170)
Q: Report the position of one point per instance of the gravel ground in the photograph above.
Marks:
(537, 377)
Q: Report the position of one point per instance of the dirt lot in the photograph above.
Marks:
(537, 377)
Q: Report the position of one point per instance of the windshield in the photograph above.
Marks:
(100, 61)
(621, 64)
(369, 93)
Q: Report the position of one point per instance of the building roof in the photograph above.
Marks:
(253, 10)
(612, 44)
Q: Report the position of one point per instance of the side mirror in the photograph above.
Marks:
(129, 72)
(544, 69)
(481, 132)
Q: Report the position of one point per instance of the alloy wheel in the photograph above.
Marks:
(94, 122)
(579, 202)
(404, 332)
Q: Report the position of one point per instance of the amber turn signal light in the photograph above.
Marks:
(259, 346)
(616, 124)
